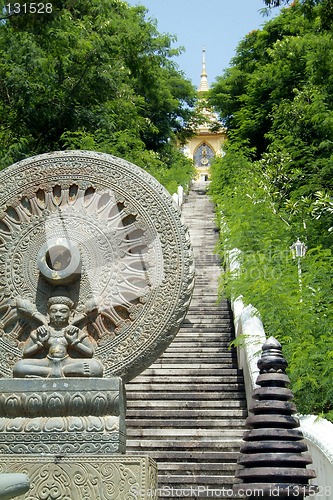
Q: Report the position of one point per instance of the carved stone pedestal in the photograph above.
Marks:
(67, 434)
(62, 416)
(85, 477)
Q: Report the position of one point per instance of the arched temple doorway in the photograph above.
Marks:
(203, 157)
(209, 137)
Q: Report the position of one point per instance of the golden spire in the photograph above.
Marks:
(204, 86)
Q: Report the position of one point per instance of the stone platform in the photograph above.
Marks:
(85, 477)
(62, 416)
(68, 435)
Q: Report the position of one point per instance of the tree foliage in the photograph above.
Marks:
(295, 308)
(92, 74)
(276, 100)
(275, 185)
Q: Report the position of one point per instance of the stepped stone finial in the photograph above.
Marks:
(204, 86)
(272, 358)
(273, 460)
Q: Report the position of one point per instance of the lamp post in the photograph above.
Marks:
(299, 250)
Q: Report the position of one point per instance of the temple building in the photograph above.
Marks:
(210, 136)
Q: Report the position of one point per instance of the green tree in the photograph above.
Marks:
(298, 313)
(325, 9)
(276, 99)
(94, 74)
(274, 185)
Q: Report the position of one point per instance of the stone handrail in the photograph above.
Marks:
(178, 197)
(317, 431)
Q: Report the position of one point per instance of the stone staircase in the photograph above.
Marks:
(187, 411)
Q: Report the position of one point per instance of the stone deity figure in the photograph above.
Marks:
(58, 349)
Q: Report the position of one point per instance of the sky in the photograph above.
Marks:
(216, 25)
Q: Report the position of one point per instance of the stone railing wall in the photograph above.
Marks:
(178, 197)
(318, 432)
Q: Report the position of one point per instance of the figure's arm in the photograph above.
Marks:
(36, 341)
(79, 341)
(27, 310)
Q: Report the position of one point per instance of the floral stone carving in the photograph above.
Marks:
(103, 478)
(61, 416)
(111, 234)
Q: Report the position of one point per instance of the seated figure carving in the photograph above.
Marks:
(58, 349)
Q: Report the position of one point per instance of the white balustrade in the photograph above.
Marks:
(317, 431)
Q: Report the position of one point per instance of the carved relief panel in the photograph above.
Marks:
(109, 233)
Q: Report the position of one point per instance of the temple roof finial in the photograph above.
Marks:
(204, 86)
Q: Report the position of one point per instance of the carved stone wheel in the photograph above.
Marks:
(111, 234)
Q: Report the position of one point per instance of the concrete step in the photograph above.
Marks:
(185, 444)
(190, 387)
(208, 319)
(197, 318)
(175, 425)
(199, 379)
(206, 285)
(176, 372)
(210, 313)
(215, 481)
(186, 341)
(192, 467)
(193, 369)
(225, 328)
(190, 405)
(207, 310)
(196, 360)
(201, 367)
(183, 343)
(187, 410)
(208, 435)
(197, 349)
(214, 457)
(200, 299)
(209, 297)
(203, 336)
(212, 320)
(207, 325)
(184, 395)
(209, 259)
(201, 341)
(176, 414)
(173, 352)
(207, 304)
(212, 353)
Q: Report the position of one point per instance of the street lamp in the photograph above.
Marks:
(299, 250)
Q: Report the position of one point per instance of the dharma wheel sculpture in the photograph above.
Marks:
(109, 235)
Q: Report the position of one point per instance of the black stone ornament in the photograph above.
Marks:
(273, 458)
